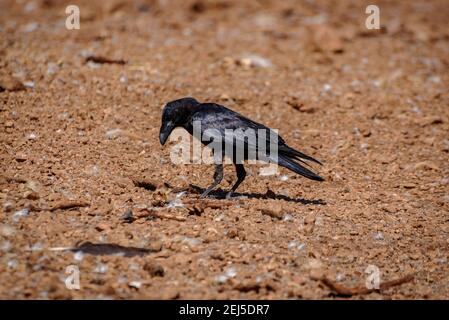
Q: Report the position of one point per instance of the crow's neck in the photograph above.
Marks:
(188, 125)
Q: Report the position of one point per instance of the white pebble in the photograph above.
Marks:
(31, 136)
(78, 256)
(101, 268)
(29, 84)
(123, 79)
(231, 272)
(296, 245)
(21, 213)
(257, 61)
(113, 133)
(135, 284)
(327, 87)
(177, 202)
(12, 264)
(191, 241)
(379, 236)
(38, 246)
(221, 278)
(340, 277)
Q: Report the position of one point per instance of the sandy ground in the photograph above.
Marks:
(81, 161)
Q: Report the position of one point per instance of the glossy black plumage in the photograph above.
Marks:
(217, 118)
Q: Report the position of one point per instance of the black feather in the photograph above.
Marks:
(187, 111)
(297, 168)
(284, 149)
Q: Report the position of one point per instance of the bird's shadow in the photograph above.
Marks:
(221, 194)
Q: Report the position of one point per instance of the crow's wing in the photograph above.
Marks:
(215, 120)
(235, 131)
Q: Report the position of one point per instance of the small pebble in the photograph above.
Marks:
(21, 213)
(113, 133)
(378, 236)
(78, 256)
(101, 268)
(128, 216)
(135, 284)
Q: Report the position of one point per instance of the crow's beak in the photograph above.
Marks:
(166, 129)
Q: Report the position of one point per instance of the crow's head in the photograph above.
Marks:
(175, 114)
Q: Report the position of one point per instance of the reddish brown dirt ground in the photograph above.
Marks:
(372, 105)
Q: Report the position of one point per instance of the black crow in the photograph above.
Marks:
(214, 120)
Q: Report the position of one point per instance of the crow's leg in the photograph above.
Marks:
(241, 174)
(218, 176)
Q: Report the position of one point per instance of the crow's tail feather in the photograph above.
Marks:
(288, 163)
(290, 152)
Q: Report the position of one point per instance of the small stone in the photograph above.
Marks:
(6, 230)
(135, 284)
(93, 170)
(20, 157)
(191, 242)
(386, 159)
(389, 208)
(327, 39)
(5, 246)
(409, 185)
(232, 233)
(378, 236)
(12, 264)
(78, 256)
(21, 213)
(101, 268)
(156, 246)
(340, 277)
(154, 269)
(170, 293)
(128, 216)
(34, 185)
(256, 61)
(316, 268)
(8, 206)
(29, 84)
(309, 224)
(427, 121)
(30, 27)
(38, 246)
(113, 133)
(221, 278)
(231, 272)
(52, 68)
(426, 165)
(10, 83)
(274, 213)
(102, 227)
(123, 79)
(225, 97)
(31, 136)
(31, 195)
(295, 244)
